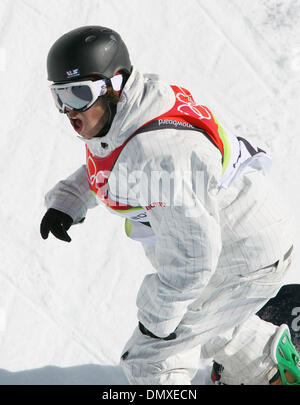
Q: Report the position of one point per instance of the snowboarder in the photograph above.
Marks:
(198, 199)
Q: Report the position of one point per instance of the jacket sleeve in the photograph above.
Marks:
(72, 195)
(187, 248)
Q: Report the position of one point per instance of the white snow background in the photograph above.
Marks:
(66, 310)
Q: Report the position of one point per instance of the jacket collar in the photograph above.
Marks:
(143, 98)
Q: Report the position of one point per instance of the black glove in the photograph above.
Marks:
(56, 222)
(147, 332)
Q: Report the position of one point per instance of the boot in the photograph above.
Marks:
(285, 356)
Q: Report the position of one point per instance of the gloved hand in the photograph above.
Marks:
(56, 222)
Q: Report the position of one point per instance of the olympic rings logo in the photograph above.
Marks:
(188, 102)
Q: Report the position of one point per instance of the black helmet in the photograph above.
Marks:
(88, 51)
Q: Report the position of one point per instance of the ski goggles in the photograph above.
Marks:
(80, 96)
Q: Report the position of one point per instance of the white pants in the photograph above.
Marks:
(221, 325)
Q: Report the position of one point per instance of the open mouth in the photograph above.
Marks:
(76, 124)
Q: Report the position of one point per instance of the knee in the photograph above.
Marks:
(139, 371)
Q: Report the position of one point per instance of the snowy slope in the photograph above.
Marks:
(66, 310)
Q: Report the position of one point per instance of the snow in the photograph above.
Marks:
(66, 310)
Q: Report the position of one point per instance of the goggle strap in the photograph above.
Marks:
(116, 82)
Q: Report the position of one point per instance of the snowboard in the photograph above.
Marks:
(285, 308)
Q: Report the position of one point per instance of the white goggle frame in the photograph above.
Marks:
(97, 88)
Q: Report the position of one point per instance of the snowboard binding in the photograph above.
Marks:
(285, 348)
(286, 357)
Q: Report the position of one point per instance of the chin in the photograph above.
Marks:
(88, 136)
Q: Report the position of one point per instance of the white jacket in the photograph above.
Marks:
(242, 226)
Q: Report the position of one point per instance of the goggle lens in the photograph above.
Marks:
(75, 97)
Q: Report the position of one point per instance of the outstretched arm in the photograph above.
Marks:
(72, 196)
(67, 204)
